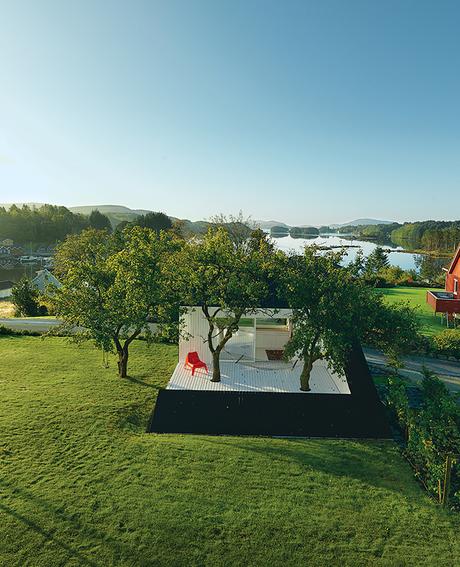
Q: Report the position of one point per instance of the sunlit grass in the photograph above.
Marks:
(6, 309)
(416, 297)
(82, 484)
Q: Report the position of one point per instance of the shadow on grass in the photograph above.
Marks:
(15, 491)
(353, 460)
(141, 382)
(46, 534)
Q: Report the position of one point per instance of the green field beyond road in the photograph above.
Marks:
(416, 297)
(82, 484)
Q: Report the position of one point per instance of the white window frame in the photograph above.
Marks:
(456, 287)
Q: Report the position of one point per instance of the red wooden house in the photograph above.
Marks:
(448, 301)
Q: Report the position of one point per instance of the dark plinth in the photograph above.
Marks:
(356, 415)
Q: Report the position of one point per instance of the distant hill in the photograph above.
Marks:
(105, 209)
(119, 213)
(361, 222)
(265, 224)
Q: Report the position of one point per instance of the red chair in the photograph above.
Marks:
(193, 360)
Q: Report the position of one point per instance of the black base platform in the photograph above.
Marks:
(266, 413)
(356, 415)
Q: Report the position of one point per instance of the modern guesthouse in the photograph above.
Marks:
(252, 360)
(259, 391)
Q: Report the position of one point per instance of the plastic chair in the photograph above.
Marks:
(193, 361)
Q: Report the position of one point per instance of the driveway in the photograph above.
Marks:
(447, 370)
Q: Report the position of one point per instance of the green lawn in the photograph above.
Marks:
(416, 297)
(82, 484)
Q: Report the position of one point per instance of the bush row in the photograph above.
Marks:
(431, 436)
(6, 331)
(446, 343)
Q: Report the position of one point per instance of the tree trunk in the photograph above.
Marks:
(123, 363)
(305, 376)
(215, 366)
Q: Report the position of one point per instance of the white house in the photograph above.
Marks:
(43, 279)
(261, 334)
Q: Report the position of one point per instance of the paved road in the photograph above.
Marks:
(447, 370)
(40, 324)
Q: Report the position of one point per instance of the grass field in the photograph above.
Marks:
(416, 297)
(6, 308)
(82, 484)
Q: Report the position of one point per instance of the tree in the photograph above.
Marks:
(111, 287)
(226, 279)
(376, 261)
(99, 221)
(332, 309)
(44, 224)
(238, 227)
(431, 268)
(154, 221)
(25, 299)
(304, 231)
(357, 265)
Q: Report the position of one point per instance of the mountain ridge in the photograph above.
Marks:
(119, 213)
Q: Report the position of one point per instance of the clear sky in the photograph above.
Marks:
(305, 112)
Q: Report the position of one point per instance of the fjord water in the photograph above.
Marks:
(397, 257)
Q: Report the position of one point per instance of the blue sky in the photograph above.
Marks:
(306, 112)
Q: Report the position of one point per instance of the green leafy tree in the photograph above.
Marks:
(111, 287)
(447, 342)
(44, 224)
(154, 221)
(358, 264)
(227, 279)
(99, 221)
(376, 261)
(25, 299)
(332, 309)
(431, 268)
(238, 227)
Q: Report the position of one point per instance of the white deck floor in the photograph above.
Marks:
(271, 376)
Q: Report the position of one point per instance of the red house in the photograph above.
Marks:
(448, 301)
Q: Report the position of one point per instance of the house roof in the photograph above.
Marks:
(43, 278)
(454, 261)
(6, 284)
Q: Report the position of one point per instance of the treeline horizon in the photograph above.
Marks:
(49, 224)
(427, 235)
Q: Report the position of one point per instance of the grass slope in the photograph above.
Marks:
(416, 297)
(6, 308)
(82, 484)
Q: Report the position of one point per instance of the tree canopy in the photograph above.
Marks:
(45, 224)
(226, 279)
(332, 308)
(155, 221)
(112, 287)
(99, 221)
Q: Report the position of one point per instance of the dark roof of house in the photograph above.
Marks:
(6, 284)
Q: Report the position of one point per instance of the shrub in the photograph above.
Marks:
(25, 299)
(432, 434)
(448, 343)
(7, 332)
